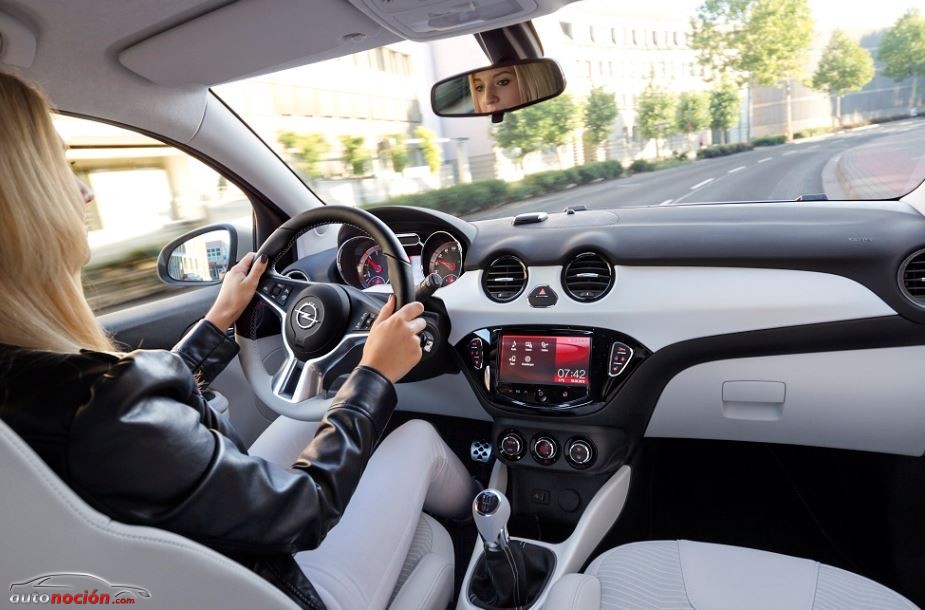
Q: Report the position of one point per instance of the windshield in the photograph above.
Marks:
(674, 102)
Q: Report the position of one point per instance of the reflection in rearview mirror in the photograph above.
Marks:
(498, 88)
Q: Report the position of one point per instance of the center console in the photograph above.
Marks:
(561, 466)
(549, 369)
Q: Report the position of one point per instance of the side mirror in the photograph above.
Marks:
(498, 88)
(200, 257)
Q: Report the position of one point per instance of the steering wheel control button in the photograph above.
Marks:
(620, 356)
(579, 453)
(476, 353)
(543, 296)
(545, 450)
(511, 446)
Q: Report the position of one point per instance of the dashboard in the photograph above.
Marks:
(579, 335)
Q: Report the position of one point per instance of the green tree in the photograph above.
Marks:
(356, 156)
(902, 50)
(757, 42)
(536, 127)
(395, 152)
(724, 109)
(599, 114)
(655, 114)
(692, 113)
(429, 148)
(845, 66)
(308, 149)
(521, 132)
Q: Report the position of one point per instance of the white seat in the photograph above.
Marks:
(684, 575)
(47, 529)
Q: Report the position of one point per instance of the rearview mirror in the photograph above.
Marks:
(199, 257)
(498, 88)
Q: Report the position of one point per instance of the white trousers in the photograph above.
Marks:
(358, 563)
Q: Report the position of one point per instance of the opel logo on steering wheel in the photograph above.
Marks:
(306, 315)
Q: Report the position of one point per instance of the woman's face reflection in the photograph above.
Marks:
(496, 89)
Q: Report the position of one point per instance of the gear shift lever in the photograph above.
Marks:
(510, 574)
(491, 511)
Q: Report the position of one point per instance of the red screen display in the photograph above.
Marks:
(539, 359)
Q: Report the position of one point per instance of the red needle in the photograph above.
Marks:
(376, 268)
(448, 265)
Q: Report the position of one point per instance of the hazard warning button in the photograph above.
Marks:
(543, 296)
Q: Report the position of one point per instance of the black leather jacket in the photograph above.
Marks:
(133, 436)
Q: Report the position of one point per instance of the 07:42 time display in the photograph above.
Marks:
(579, 376)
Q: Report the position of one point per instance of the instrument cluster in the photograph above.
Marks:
(362, 264)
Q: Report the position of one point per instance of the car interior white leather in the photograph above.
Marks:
(685, 575)
(47, 528)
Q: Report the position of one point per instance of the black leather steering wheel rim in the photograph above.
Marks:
(401, 276)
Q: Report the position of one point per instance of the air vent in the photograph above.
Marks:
(588, 277)
(505, 279)
(912, 278)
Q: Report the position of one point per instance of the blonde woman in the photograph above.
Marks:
(502, 88)
(131, 433)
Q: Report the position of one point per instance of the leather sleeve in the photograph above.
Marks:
(206, 350)
(140, 452)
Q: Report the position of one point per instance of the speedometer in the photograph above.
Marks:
(443, 255)
(361, 263)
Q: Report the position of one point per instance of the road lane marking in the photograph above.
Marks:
(699, 184)
(666, 202)
(765, 159)
(791, 152)
(738, 169)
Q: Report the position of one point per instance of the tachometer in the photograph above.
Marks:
(443, 255)
(373, 268)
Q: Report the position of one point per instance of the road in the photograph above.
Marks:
(828, 164)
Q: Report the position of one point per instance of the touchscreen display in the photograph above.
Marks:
(544, 360)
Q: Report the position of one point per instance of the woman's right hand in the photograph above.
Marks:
(393, 346)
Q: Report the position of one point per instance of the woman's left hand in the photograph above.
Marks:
(238, 288)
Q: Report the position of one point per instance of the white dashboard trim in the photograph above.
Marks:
(866, 400)
(659, 306)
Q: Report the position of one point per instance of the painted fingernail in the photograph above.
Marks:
(264, 258)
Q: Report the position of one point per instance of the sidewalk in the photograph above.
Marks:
(887, 167)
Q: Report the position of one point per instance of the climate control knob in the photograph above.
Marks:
(579, 453)
(511, 445)
(544, 449)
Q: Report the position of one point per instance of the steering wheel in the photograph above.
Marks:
(324, 325)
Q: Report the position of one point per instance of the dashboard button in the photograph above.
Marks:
(511, 445)
(476, 353)
(579, 453)
(543, 296)
(545, 450)
(620, 356)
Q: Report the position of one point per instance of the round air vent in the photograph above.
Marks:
(588, 277)
(504, 279)
(912, 278)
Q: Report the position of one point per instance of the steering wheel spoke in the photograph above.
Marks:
(299, 380)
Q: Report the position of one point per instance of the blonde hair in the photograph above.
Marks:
(43, 235)
(535, 81)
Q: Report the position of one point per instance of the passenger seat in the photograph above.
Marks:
(685, 575)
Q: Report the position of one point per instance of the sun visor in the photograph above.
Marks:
(423, 20)
(17, 42)
(252, 37)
